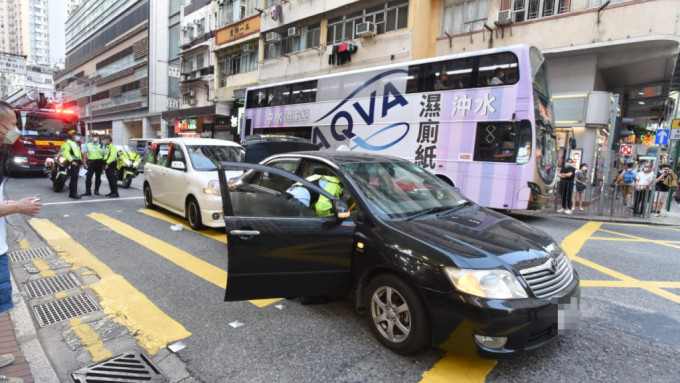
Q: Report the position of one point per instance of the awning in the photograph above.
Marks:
(189, 112)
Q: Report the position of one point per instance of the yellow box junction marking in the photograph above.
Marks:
(573, 243)
(61, 295)
(152, 328)
(197, 266)
(214, 234)
(43, 267)
(90, 339)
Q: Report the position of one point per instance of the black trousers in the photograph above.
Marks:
(639, 197)
(73, 173)
(111, 177)
(94, 167)
(566, 192)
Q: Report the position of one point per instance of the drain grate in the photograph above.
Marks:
(47, 286)
(25, 255)
(62, 309)
(128, 367)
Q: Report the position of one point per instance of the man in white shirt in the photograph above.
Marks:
(643, 184)
(28, 206)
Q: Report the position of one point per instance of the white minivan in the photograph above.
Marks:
(181, 176)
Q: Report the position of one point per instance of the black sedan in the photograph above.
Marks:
(425, 264)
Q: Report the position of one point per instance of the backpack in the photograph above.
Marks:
(628, 177)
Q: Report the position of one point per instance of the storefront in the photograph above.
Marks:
(212, 121)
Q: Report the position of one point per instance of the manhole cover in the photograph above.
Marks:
(25, 255)
(47, 286)
(66, 308)
(127, 367)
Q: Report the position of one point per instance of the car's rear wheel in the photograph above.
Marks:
(396, 314)
(193, 212)
(148, 197)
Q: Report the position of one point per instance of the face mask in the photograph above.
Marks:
(77, 138)
(569, 163)
(645, 169)
(584, 170)
(11, 136)
(95, 140)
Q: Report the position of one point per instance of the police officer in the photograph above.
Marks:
(110, 156)
(93, 154)
(322, 205)
(71, 151)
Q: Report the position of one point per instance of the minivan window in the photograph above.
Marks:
(206, 157)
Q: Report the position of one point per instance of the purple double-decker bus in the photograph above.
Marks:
(481, 121)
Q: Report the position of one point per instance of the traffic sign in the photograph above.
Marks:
(661, 137)
(675, 134)
(675, 124)
(626, 149)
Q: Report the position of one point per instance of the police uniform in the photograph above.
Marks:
(322, 205)
(95, 165)
(110, 156)
(71, 151)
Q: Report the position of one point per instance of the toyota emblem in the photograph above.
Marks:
(553, 266)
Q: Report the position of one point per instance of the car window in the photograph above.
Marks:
(206, 157)
(400, 189)
(275, 181)
(259, 196)
(177, 154)
(161, 155)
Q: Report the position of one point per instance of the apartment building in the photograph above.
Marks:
(197, 114)
(112, 75)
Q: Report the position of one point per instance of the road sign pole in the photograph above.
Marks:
(609, 152)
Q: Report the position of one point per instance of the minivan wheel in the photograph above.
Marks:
(194, 214)
(396, 314)
(148, 197)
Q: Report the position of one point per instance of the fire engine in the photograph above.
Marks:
(44, 125)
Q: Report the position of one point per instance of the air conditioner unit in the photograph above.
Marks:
(504, 17)
(272, 36)
(248, 48)
(197, 21)
(294, 31)
(192, 93)
(184, 28)
(365, 29)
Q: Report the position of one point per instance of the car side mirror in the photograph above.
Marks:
(179, 165)
(341, 209)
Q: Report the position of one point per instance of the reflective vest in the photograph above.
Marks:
(323, 205)
(71, 150)
(123, 157)
(94, 151)
(110, 153)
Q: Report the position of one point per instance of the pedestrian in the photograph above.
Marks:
(27, 206)
(580, 184)
(93, 154)
(627, 182)
(110, 164)
(566, 176)
(643, 184)
(71, 151)
(665, 180)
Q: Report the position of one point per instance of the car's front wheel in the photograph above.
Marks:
(194, 214)
(148, 197)
(396, 314)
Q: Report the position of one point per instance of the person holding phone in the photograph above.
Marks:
(30, 206)
(665, 180)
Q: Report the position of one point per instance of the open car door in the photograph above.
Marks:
(277, 246)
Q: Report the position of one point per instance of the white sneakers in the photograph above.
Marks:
(567, 211)
(560, 210)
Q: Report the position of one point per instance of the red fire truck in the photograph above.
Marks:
(43, 128)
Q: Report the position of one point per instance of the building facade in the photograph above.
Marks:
(115, 79)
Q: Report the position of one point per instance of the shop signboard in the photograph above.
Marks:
(238, 30)
(626, 149)
(576, 157)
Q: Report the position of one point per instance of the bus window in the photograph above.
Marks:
(304, 92)
(279, 95)
(413, 79)
(456, 74)
(524, 146)
(498, 69)
(496, 142)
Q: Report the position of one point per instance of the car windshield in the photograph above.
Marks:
(402, 189)
(206, 157)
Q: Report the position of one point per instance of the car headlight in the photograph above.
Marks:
(213, 188)
(62, 160)
(491, 284)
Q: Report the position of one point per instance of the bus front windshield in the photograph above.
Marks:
(403, 190)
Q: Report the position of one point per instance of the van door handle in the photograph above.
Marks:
(244, 232)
